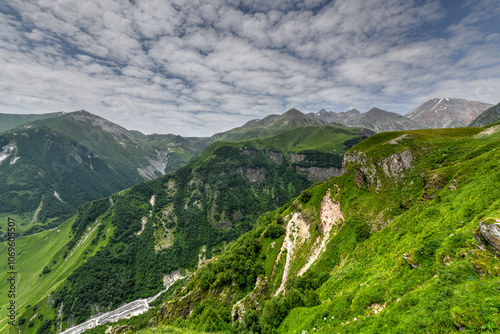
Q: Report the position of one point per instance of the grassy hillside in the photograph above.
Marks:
(391, 246)
(44, 177)
(489, 116)
(179, 221)
(43, 263)
(323, 139)
(179, 150)
(114, 144)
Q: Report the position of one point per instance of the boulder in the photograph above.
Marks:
(491, 232)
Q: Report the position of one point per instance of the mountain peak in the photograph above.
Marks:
(376, 111)
(353, 112)
(447, 112)
(293, 113)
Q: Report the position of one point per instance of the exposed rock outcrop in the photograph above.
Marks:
(296, 157)
(365, 171)
(331, 216)
(173, 276)
(251, 300)
(297, 231)
(320, 174)
(410, 261)
(491, 232)
(395, 165)
(276, 157)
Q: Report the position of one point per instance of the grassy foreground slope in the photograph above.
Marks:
(43, 263)
(403, 253)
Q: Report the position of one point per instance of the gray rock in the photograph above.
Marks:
(276, 157)
(491, 233)
(296, 157)
(396, 164)
(320, 174)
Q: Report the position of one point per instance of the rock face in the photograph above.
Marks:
(491, 233)
(276, 157)
(320, 174)
(298, 232)
(251, 300)
(331, 217)
(447, 113)
(396, 164)
(393, 167)
(173, 276)
(296, 157)
(365, 173)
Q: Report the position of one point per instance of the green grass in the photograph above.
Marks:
(324, 139)
(430, 214)
(169, 330)
(444, 292)
(271, 253)
(47, 248)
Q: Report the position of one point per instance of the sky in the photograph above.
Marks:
(196, 68)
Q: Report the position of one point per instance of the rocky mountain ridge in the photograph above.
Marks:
(446, 112)
(489, 116)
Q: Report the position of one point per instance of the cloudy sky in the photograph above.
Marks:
(201, 67)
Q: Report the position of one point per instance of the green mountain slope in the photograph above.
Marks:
(35, 255)
(114, 144)
(269, 126)
(44, 177)
(489, 116)
(181, 219)
(52, 163)
(393, 245)
(178, 150)
(125, 158)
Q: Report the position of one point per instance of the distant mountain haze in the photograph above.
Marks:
(375, 119)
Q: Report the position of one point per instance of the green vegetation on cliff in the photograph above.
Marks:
(403, 251)
(177, 221)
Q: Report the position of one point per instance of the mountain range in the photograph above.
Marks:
(205, 204)
(375, 119)
(40, 192)
(279, 224)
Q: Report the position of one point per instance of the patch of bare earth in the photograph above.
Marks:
(331, 216)
(297, 231)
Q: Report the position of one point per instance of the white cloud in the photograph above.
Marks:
(201, 67)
